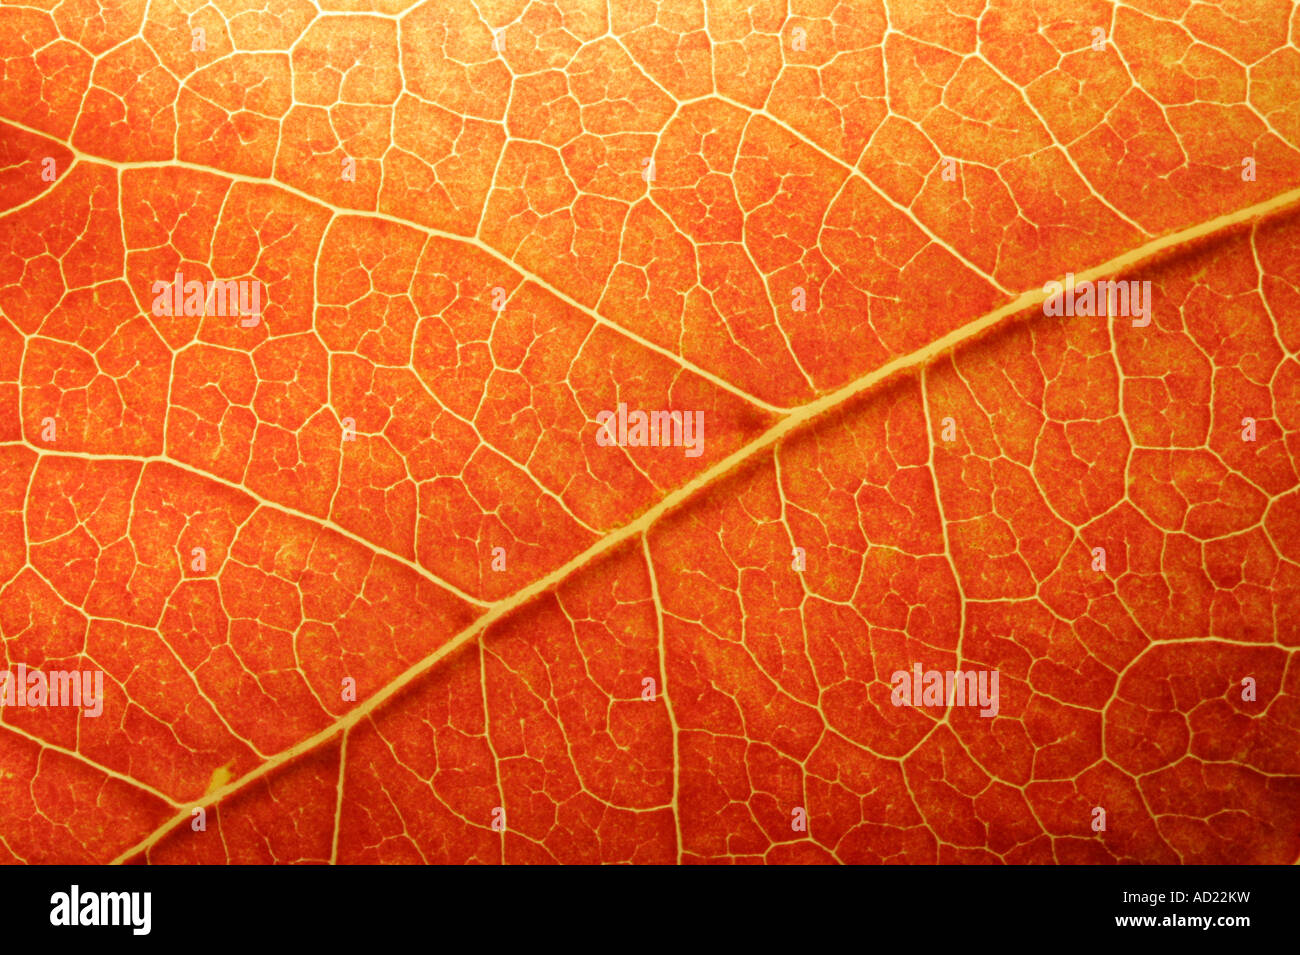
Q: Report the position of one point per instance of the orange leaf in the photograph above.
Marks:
(448, 432)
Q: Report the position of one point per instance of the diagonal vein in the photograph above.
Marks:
(785, 427)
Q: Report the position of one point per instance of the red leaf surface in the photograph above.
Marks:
(365, 581)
